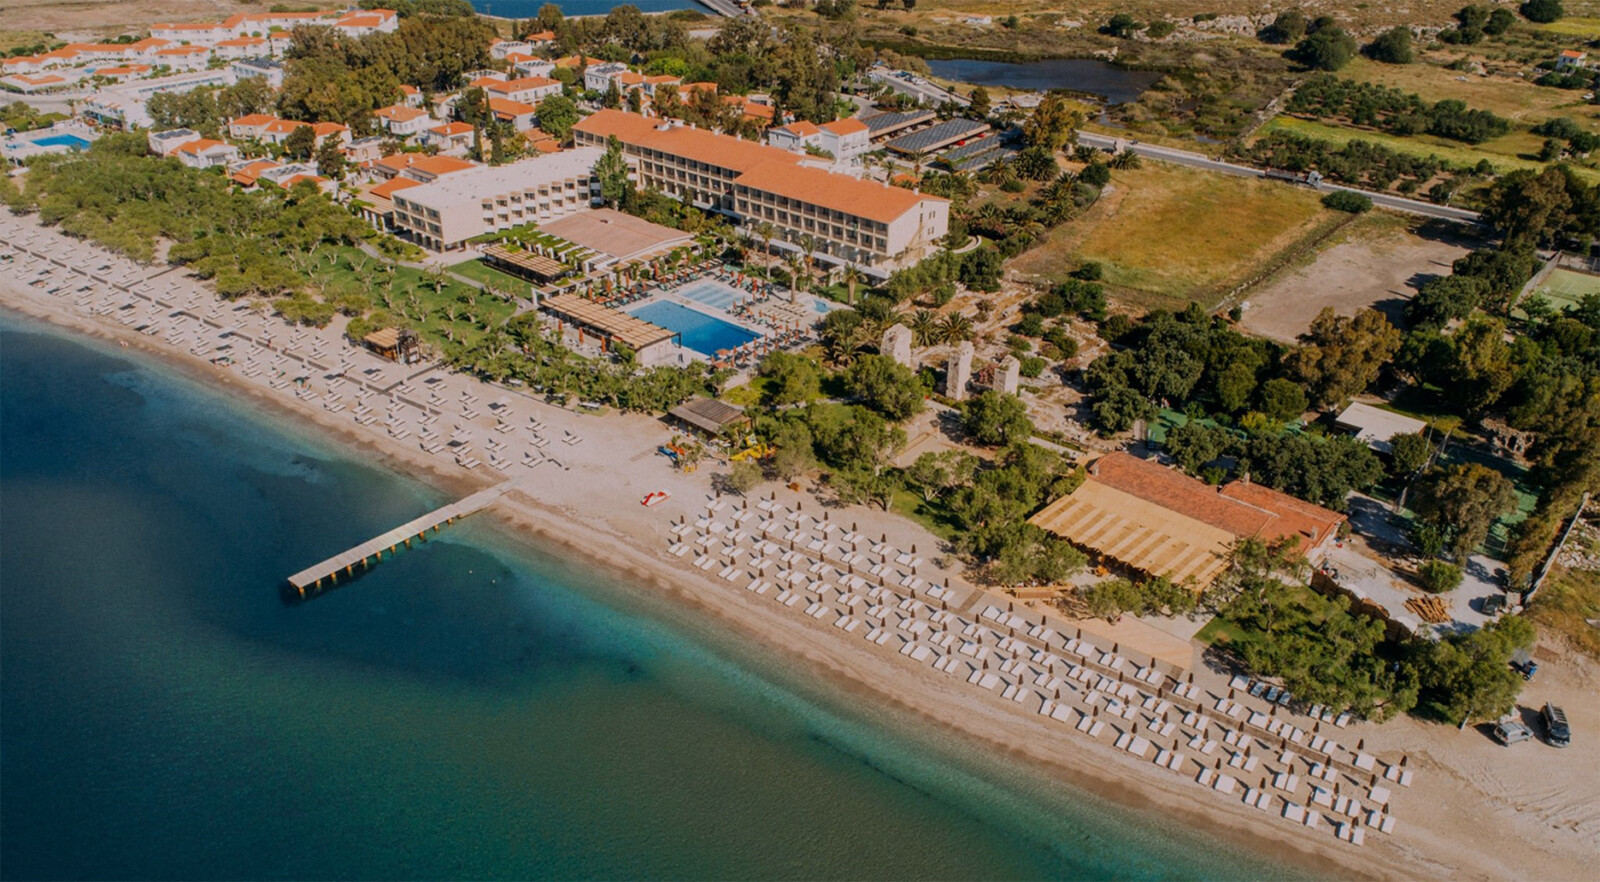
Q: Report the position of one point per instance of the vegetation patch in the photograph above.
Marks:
(1180, 235)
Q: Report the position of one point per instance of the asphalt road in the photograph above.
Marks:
(1197, 160)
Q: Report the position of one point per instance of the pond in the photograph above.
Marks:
(1092, 76)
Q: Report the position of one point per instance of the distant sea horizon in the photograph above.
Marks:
(530, 8)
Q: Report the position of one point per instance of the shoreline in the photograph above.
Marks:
(848, 668)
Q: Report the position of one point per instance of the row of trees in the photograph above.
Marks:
(1392, 110)
(1357, 163)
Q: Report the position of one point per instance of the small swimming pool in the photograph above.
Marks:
(702, 333)
(73, 141)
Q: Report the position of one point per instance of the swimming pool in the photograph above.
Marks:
(712, 293)
(702, 333)
(73, 141)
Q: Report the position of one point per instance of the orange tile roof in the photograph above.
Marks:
(518, 85)
(422, 162)
(184, 50)
(247, 173)
(1239, 508)
(511, 108)
(200, 145)
(847, 126)
(485, 82)
(451, 128)
(323, 129)
(409, 90)
(283, 126)
(578, 60)
(243, 41)
(836, 192)
(541, 37)
(399, 113)
(255, 119)
(696, 87)
(723, 151)
(1294, 517)
(389, 187)
(802, 128)
(519, 57)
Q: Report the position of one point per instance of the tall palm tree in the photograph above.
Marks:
(809, 244)
(853, 276)
(954, 328)
(766, 231)
(924, 325)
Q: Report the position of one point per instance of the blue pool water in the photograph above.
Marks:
(72, 141)
(712, 293)
(702, 333)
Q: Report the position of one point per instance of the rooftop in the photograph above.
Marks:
(837, 192)
(484, 182)
(612, 233)
(1374, 426)
(935, 137)
(723, 151)
(708, 414)
(632, 332)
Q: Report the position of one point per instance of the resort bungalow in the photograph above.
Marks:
(528, 90)
(395, 344)
(403, 121)
(1160, 522)
(709, 416)
(207, 153)
(1374, 426)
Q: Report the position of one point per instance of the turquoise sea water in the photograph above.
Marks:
(477, 708)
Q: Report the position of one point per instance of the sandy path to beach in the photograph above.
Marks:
(1476, 810)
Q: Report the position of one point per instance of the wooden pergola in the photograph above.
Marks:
(526, 264)
(613, 324)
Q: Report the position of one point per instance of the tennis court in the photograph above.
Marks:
(1564, 288)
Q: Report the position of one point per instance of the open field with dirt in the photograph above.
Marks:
(1379, 261)
(1166, 235)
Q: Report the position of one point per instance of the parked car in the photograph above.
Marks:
(1555, 726)
(1509, 732)
(1493, 604)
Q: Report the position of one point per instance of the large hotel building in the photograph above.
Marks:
(443, 215)
(873, 226)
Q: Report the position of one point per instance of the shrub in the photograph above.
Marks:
(1437, 577)
(1159, 29)
(1032, 366)
(1541, 11)
(1393, 47)
(1095, 174)
(1345, 200)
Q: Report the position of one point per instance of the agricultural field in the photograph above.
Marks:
(1166, 235)
(1508, 153)
(1379, 261)
(1519, 101)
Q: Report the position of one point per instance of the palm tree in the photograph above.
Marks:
(809, 244)
(765, 231)
(924, 325)
(954, 328)
(1127, 159)
(853, 276)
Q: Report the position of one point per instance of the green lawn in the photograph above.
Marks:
(480, 272)
(409, 294)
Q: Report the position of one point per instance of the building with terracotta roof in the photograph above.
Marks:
(845, 138)
(795, 136)
(124, 106)
(451, 137)
(519, 114)
(419, 167)
(206, 153)
(376, 202)
(1161, 522)
(852, 222)
(403, 121)
(1571, 59)
(354, 22)
(528, 90)
(443, 215)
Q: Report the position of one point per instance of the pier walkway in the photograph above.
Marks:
(309, 581)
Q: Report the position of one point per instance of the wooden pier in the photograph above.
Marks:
(310, 580)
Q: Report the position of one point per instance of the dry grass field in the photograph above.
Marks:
(1167, 235)
(1519, 149)
(112, 17)
(1515, 99)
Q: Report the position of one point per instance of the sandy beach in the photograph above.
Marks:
(1474, 809)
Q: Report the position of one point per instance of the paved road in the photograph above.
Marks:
(725, 7)
(922, 91)
(1197, 160)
